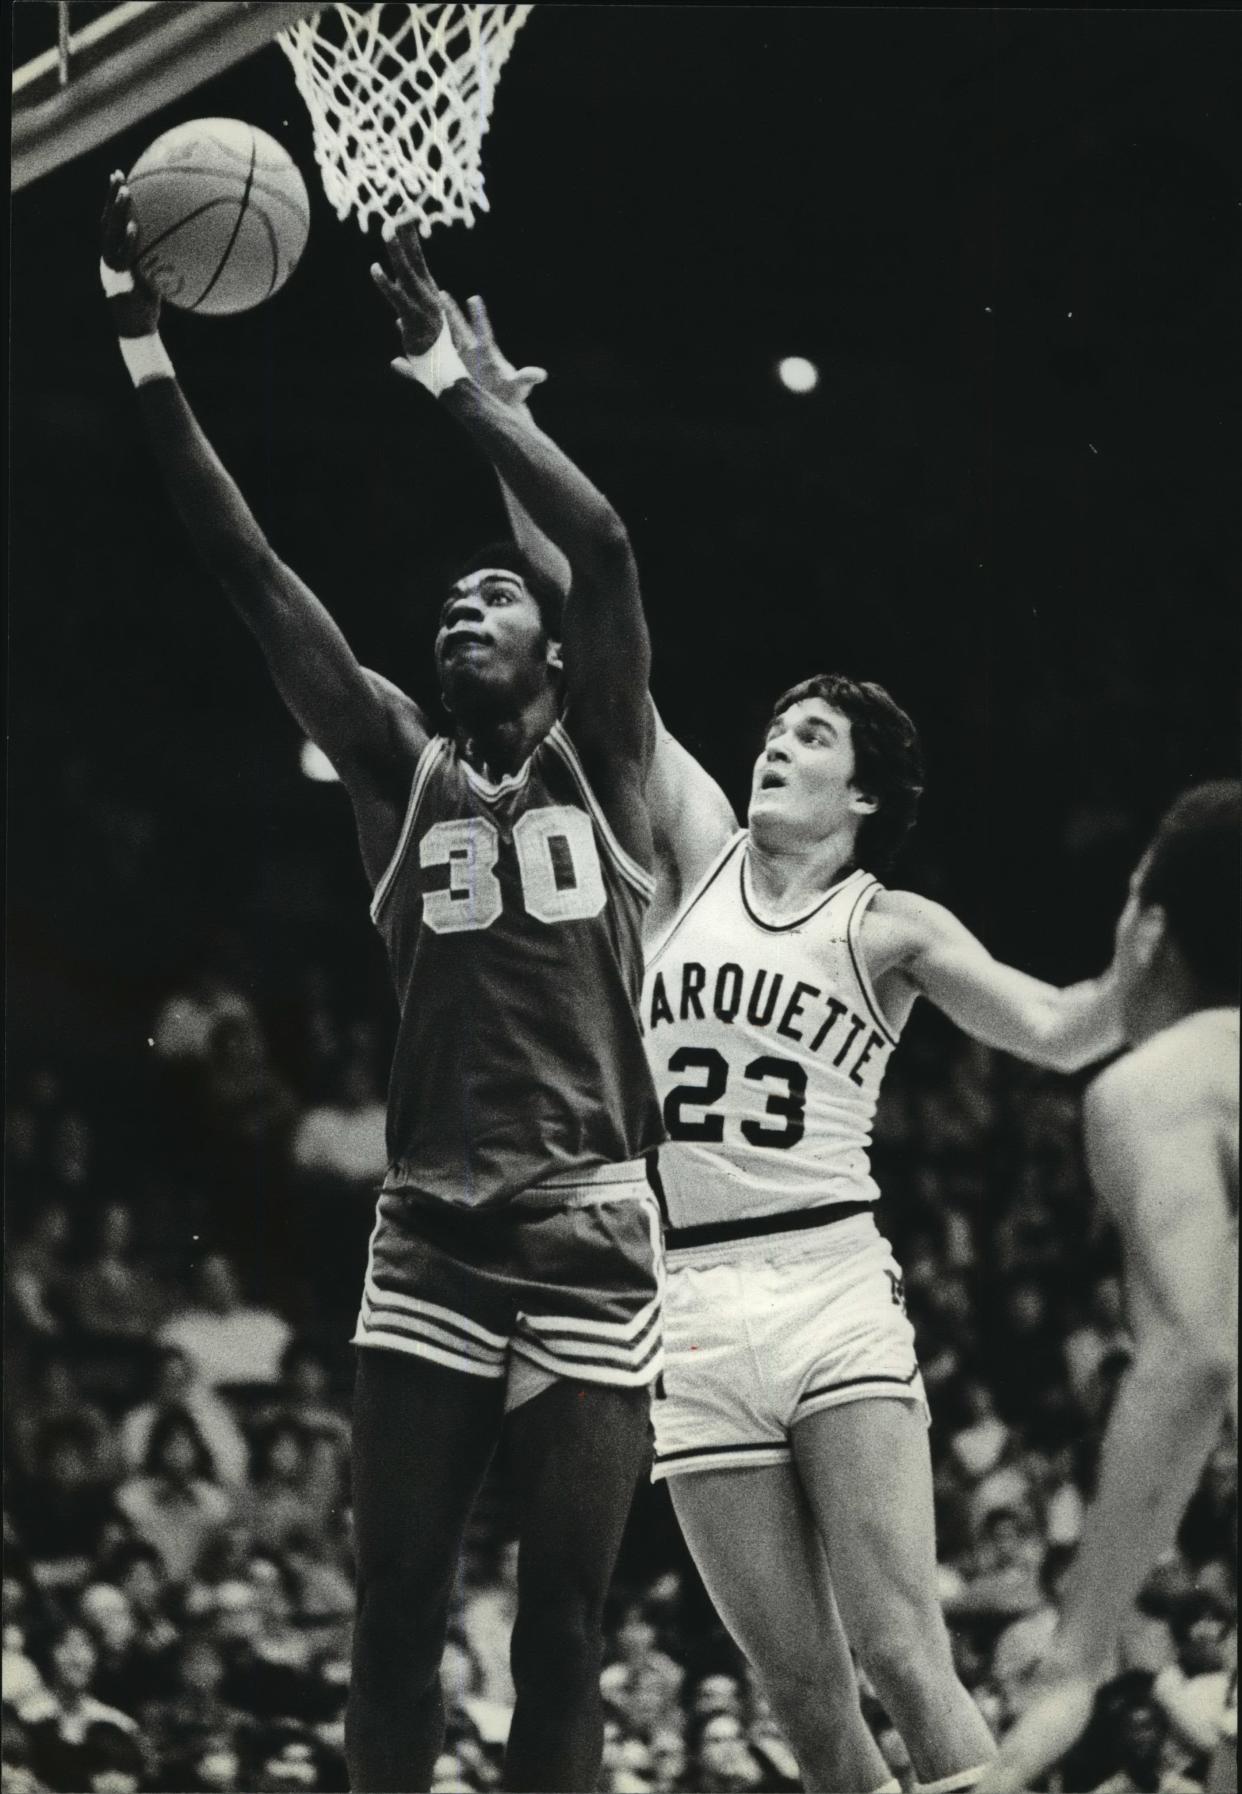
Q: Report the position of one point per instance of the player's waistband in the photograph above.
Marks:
(797, 1220)
(583, 1187)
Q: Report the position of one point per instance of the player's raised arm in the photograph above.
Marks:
(607, 652)
(490, 368)
(924, 948)
(366, 728)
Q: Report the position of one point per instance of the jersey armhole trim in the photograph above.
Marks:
(427, 761)
(707, 879)
(858, 960)
(629, 868)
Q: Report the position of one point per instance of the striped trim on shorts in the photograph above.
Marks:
(576, 1289)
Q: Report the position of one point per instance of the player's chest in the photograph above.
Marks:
(476, 866)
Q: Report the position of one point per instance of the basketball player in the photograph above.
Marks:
(1161, 1130)
(792, 1425)
(515, 1262)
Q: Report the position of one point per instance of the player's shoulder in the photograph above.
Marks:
(406, 719)
(1177, 1072)
(903, 923)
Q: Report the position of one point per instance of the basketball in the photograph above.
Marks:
(222, 215)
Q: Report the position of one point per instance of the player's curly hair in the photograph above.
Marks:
(1192, 871)
(504, 552)
(888, 761)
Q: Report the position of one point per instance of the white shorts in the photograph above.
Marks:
(763, 1332)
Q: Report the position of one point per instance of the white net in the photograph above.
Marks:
(400, 97)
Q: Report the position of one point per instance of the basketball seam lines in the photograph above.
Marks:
(237, 224)
(223, 199)
(202, 174)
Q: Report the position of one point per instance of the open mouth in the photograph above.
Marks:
(464, 639)
(772, 781)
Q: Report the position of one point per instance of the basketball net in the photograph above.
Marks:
(400, 97)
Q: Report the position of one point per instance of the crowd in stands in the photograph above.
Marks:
(179, 1297)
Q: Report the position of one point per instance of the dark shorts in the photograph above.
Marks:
(574, 1291)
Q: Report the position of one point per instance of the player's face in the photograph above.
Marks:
(491, 641)
(802, 789)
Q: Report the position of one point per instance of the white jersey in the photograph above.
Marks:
(767, 1047)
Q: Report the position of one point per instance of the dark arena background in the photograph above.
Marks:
(1009, 244)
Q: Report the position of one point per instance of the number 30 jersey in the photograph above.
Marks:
(513, 922)
(768, 1048)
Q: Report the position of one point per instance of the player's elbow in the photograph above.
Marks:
(606, 541)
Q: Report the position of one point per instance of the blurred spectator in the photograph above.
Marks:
(669, 1759)
(37, 1273)
(289, 1758)
(114, 1298)
(488, 1612)
(194, 1714)
(62, 1506)
(324, 1588)
(179, 1384)
(58, 1720)
(1101, 1333)
(1210, 1528)
(303, 1399)
(137, 1569)
(1020, 1647)
(54, 1400)
(175, 1504)
(724, 1761)
(246, 1101)
(1136, 1739)
(18, 1676)
(1193, 1690)
(128, 1671)
(979, 1446)
(285, 1494)
(344, 1137)
(1027, 1360)
(228, 1341)
(1003, 1581)
(183, 1027)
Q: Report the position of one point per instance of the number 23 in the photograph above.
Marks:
(789, 1105)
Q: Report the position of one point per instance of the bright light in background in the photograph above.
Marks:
(797, 373)
(316, 765)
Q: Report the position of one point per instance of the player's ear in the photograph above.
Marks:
(555, 658)
(862, 805)
(1149, 933)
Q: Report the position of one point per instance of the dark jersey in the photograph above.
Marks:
(512, 918)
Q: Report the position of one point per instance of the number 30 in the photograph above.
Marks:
(558, 863)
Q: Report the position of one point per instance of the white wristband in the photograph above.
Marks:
(439, 367)
(115, 281)
(146, 358)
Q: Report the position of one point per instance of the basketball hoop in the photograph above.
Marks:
(400, 97)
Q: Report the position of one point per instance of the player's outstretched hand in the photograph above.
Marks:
(486, 363)
(409, 289)
(136, 313)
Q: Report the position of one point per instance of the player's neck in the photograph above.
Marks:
(499, 745)
(785, 876)
(1163, 1005)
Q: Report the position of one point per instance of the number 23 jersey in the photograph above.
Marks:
(768, 1048)
(512, 917)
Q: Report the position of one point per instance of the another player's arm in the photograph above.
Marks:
(490, 368)
(914, 943)
(690, 816)
(369, 730)
(1154, 1158)
(607, 651)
